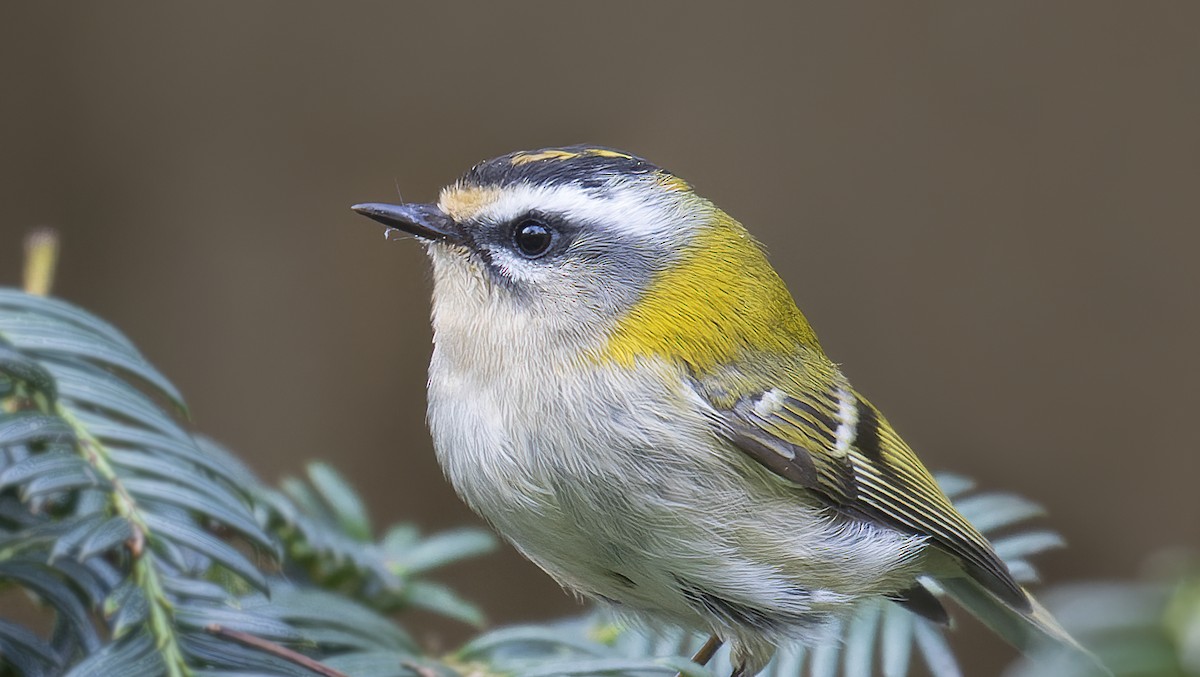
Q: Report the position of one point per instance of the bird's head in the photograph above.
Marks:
(600, 254)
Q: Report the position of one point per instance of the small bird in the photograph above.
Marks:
(624, 388)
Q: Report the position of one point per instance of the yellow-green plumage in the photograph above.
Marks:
(723, 311)
(720, 299)
(640, 407)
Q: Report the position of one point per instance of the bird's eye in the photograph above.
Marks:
(532, 238)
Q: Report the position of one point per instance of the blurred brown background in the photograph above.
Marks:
(988, 212)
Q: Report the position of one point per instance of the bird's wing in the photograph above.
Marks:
(813, 429)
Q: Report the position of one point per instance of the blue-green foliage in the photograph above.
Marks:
(158, 552)
(1144, 628)
(140, 537)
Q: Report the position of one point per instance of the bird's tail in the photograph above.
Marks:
(1034, 631)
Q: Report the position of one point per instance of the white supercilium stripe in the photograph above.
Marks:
(640, 211)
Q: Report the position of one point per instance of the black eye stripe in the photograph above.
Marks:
(532, 237)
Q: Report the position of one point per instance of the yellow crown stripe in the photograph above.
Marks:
(526, 158)
(604, 152)
(558, 154)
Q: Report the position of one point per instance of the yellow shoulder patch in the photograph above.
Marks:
(721, 298)
(672, 182)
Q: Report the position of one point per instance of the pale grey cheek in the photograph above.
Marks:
(617, 267)
(600, 275)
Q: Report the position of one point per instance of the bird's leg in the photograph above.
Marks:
(705, 654)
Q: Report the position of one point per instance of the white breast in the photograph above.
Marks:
(615, 482)
(569, 459)
(559, 457)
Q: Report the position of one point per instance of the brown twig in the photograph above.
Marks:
(41, 255)
(421, 670)
(137, 542)
(706, 652)
(274, 649)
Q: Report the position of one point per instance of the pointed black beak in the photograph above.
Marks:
(423, 220)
